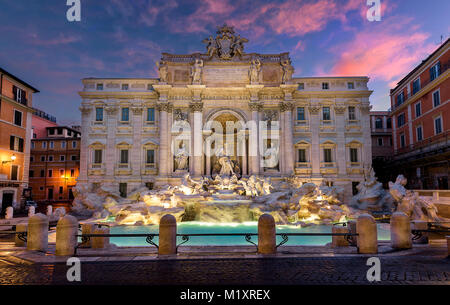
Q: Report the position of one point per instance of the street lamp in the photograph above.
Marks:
(13, 157)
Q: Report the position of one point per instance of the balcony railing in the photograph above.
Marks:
(423, 83)
(442, 137)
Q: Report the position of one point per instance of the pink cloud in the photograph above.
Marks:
(383, 53)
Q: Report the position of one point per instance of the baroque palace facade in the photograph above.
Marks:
(153, 131)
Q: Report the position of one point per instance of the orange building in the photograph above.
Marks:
(15, 136)
(421, 122)
(55, 165)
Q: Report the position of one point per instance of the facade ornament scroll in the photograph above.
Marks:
(111, 110)
(339, 109)
(136, 110)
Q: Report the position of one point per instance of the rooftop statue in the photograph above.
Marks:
(163, 71)
(226, 45)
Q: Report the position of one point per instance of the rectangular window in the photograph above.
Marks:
(380, 141)
(301, 155)
(98, 156)
(62, 158)
(50, 158)
(61, 173)
(150, 156)
(325, 86)
(353, 155)
(73, 157)
(400, 99)
(42, 158)
(150, 114)
(124, 86)
(300, 114)
(74, 144)
(50, 194)
(301, 86)
(100, 87)
(123, 189)
(31, 158)
(125, 114)
(44, 145)
(51, 131)
(436, 98)
(60, 131)
(31, 173)
(124, 156)
(351, 85)
(435, 71)
(378, 123)
(17, 118)
(32, 145)
(42, 173)
(326, 113)
(402, 141)
(14, 172)
(63, 144)
(401, 120)
(16, 144)
(50, 173)
(61, 189)
(52, 144)
(416, 86)
(438, 125)
(351, 113)
(327, 155)
(389, 123)
(419, 133)
(418, 110)
(72, 172)
(99, 114)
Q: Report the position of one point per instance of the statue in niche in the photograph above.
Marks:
(271, 156)
(226, 165)
(196, 72)
(255, 69)
(163, 71)
(181, 158)
(270, 116)
(288, 70)
(180, 115)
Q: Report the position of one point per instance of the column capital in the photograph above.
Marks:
(196, 106)
(137, 110)
(85, 109)
(314, 109)
(255, 106)
(286, 106)
(164, 106)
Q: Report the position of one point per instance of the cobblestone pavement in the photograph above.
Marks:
(262, 271)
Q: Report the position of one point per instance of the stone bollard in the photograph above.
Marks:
(66, 229)
(49, 210)
(167, 235)
(87, 228)
(366, 227)
(266, 235)
(339, 241)
(20, 227)
(420, 225)
(9, 213)
(100, 242)
(31, 211)
(400, 231)
(37, 236)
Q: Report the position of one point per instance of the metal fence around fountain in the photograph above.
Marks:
(185, 237)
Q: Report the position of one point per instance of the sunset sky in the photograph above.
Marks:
(118, 38)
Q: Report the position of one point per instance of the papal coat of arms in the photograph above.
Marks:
(226, 45)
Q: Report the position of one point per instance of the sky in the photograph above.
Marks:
(124, 39)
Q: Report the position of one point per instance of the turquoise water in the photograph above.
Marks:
(250, 227)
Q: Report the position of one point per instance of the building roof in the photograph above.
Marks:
(403, 80)
(18, 80)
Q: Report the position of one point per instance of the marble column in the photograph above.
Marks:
(197, 108)
(85, 122)
(288, 139)
(341, 149)
(315, 140)
(163, 139)
(254, 139)
(136, 150)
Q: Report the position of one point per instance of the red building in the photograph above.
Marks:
(40, 121)
(421, 122)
